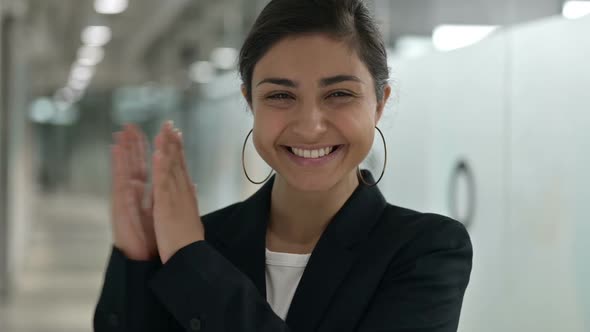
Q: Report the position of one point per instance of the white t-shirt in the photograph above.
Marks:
(283, 273)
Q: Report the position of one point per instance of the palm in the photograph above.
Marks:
(132, 221)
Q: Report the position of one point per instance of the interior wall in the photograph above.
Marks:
(513, 108)
(17, 151)
(3, 167)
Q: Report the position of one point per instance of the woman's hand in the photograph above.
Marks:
(176, 213)
(132, 222)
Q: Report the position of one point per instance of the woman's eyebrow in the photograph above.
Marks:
(339, 79)
(323, 82)
(279, 81)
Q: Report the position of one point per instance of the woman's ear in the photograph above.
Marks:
(382, 103)
(244, 90)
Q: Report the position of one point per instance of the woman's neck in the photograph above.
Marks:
(298, 218)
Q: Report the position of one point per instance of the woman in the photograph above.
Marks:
(317, 248)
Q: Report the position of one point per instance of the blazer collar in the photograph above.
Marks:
(244, 235)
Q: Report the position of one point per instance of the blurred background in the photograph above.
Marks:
(489, 123)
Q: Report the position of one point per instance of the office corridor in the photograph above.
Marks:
(63, 271)
(487, 123)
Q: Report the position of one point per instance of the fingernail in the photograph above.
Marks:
(170, 123)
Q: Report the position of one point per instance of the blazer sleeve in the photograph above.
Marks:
(423, 288)
(126, 304)
(205, 292)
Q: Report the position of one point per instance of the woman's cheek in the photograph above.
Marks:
(269, 121)
(267, 129)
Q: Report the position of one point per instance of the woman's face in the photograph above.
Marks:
(315, 110)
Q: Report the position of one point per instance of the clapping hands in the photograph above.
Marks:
(170, 220)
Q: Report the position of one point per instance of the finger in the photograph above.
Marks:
(180, 143)
(132, 212)
(126, 159)
(177, 171)
(194, 189)
(156, 159)
(174, 137)
(117, 151)
(145, 221)
(118, 172)
(119, 141)
(160, 141)
(163, 161)
(143, 148)
(134, 163)
(181, 158)
(163, 188)
(149, 204)
(168, 136)
(161, 176)
(137, 164)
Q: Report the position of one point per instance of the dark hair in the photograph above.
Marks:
(349, 20)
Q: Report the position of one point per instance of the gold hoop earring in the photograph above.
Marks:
(358, 170)
(244, 163)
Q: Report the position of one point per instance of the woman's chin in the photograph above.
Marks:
(312, 183)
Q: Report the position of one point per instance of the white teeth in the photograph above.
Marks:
(312, 154)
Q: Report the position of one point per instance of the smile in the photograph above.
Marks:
(313, 154)
(314, 157)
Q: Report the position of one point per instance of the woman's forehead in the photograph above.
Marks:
(310, 57)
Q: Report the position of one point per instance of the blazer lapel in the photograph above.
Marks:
(334, 255)
(244, 236)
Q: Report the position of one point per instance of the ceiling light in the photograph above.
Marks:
(451, 37)
(202, 71)
(224, 57)
(576, 9)
(110, 6)
(78, 85)
(96, 35)
(42, 110)
(65, 94)
(81, 73)
(90, 55)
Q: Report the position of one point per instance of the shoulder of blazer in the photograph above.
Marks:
(419, 222)
(413, 234)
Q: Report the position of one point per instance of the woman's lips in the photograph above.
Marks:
(315, 162)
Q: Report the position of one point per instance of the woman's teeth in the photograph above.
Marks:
(312, 154)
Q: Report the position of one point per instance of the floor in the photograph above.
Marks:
(64, 268)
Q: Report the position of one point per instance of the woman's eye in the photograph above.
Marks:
(340, 94)
(279, 96)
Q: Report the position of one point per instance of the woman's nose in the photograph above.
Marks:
(309, 122)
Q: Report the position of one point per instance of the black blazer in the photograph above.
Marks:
(376, 267)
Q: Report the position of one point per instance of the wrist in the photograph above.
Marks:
(165, 255)
(137, 255)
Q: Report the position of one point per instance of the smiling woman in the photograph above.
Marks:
(316, 248)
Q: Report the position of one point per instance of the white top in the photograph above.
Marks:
(283, 273)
